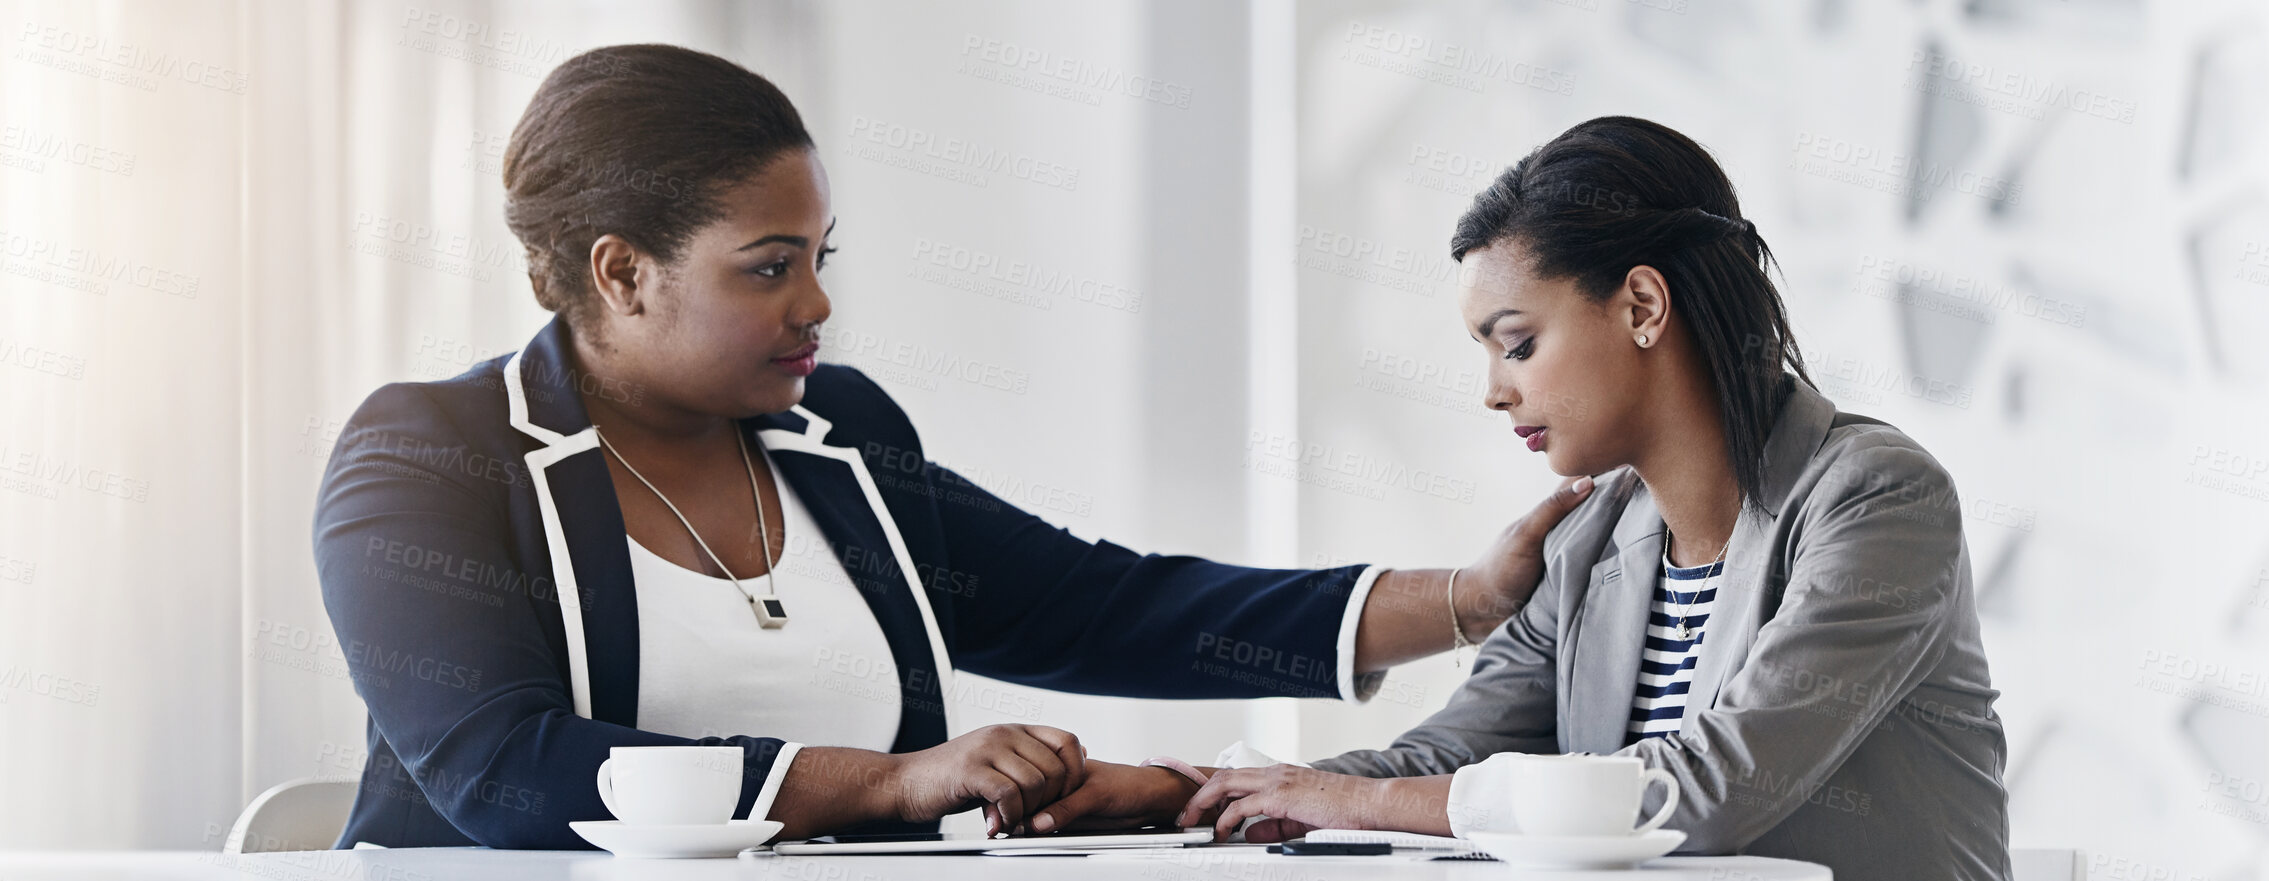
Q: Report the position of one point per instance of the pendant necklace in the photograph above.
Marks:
(770, 614)
(1684, 633)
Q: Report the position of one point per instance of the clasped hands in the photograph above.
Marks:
(1039, 779)
(1289, 800)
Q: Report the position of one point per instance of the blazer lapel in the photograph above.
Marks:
(583, 528)
(1734, 616)
(1611, 630)
(826, 478)
(590, 519)
(1747, 584)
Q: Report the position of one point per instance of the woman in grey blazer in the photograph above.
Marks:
(1820, 693)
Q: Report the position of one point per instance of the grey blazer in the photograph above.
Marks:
(1840, 712)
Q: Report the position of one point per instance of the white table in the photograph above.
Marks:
(446, 864)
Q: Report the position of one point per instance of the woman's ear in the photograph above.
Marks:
(1649, 302)
(616, 273)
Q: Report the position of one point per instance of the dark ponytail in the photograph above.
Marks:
(1618, 192)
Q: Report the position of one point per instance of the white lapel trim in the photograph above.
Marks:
(812, 441)
(556, 447)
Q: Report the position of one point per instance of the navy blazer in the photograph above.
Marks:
(472, 560)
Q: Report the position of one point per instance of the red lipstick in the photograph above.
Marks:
(800, 362)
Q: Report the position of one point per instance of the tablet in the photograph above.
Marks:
(938, 842)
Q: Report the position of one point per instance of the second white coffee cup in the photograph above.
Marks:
(671, 785)
(1587, 795)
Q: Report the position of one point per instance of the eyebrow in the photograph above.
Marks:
(1490, 323)
(798, 241)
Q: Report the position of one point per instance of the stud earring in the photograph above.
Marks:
(1642, 341)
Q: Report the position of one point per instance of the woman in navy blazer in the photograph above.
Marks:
(470, 533)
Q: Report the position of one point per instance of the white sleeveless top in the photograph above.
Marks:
(706, 669)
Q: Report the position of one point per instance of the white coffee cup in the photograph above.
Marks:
(1587, 795)
(671, 785)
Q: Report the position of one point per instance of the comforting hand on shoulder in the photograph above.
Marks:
(1502, 581)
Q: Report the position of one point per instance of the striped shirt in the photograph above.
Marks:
(1666, 665)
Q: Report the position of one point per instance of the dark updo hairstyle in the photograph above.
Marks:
(636, 141)
(1618, 192)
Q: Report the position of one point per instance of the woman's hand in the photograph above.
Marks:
(1297, 800)
(1494, 587)
(1118, 796)
(1407, 615)
(1003, 768)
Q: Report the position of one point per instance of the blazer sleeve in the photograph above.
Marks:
(1865, 617)
(442, 630)
(1036, 605)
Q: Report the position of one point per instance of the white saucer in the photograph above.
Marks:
(676, 842)
(1577, 852)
